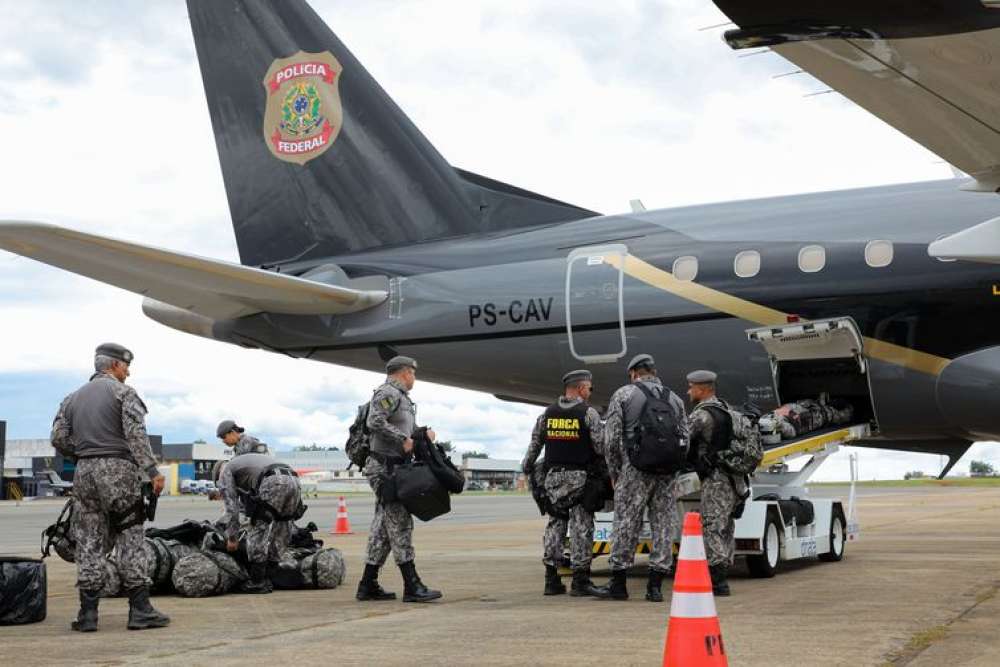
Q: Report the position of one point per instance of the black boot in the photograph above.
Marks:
(653, 593)
(616, 588)
(258, 582)
(414, 589)
(582, 585)
(141, 614)
(369, 588)
(553, 584)
(86, 619)
(720, 587)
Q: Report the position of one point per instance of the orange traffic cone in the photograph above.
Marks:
(694, 638)
(343, 524)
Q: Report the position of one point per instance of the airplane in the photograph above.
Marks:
(358, 241)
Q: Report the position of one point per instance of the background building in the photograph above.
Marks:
(26, 463)
(494, 473)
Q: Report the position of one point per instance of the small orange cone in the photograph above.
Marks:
(343, 524)
(694, 638)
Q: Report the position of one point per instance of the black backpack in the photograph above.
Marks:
(659, 442)
(358, 447)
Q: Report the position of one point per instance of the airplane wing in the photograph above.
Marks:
(929, 69)
(212, 288)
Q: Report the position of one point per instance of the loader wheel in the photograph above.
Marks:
(838, 538)
(764, 566)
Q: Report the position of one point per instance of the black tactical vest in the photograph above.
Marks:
(566, 437)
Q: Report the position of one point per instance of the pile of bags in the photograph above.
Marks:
(792, 420)
(190, 559)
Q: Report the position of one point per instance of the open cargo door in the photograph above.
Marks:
(822, 357)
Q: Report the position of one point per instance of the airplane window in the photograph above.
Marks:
(686, 268)
(812, 258)
(747, 264)
(878, 254)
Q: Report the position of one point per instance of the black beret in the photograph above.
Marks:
(396, 363)
(226, 426)
(641, 360)
(577, 376)
(115, 351)
(701, 377)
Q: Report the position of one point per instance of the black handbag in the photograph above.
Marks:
(420, 492)
(23, 590)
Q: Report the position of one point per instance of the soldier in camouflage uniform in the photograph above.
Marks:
(268, 493)
(102, 425)
(570, 431)
(235, 436)
(711, 432)
(637, 492)
(392, 422)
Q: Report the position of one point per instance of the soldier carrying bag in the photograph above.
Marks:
(658, 443)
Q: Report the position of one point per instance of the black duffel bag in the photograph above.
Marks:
(433, 455)
(418, 488)
(23, 590)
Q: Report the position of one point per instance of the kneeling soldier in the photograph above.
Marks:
(570, 432)
(268, 494)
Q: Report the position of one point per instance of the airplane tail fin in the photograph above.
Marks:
(317, 159)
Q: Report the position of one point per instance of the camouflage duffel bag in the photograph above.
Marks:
(112, 586)
(307, 568)
(207, 573)
(161, 557)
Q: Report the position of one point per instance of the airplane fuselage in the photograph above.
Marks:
(490, 312)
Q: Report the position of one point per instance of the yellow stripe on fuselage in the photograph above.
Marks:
(762, 315)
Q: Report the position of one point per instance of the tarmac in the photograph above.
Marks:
(918, 588)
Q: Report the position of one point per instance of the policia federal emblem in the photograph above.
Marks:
(303, 114)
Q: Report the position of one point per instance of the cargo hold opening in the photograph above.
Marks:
(820, 358)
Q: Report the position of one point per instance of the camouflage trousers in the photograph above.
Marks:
(392, 524)
(637, 494)
(581, 538)
(104, 487)
(718, 499)
(562, 488)
(267, 541)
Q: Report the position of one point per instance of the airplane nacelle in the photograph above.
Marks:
(967, 391)
(178, 318)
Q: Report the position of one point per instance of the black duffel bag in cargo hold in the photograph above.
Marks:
(418, 488)
(23, 590)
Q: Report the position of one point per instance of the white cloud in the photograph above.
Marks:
(105, 129)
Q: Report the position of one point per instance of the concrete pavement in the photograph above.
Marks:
(918, 588)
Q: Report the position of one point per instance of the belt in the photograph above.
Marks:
(122, 456)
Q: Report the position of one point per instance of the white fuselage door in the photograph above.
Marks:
(595, 317)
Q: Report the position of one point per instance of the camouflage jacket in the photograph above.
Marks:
(247, 444)
(391, 418)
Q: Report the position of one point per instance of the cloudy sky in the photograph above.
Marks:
(104, 129)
